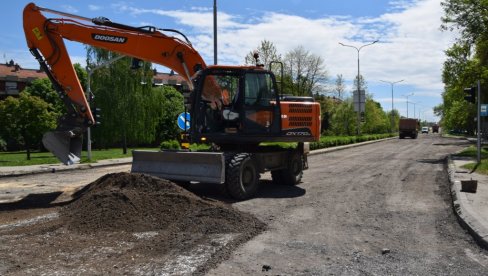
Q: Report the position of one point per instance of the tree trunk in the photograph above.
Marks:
(27, 148)
(124, 143)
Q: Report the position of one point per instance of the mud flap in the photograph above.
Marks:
(64, 146)
(208, 167)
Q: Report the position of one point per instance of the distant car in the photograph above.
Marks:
(425, 129)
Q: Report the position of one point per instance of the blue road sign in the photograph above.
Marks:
(484, 110)
(182, 118)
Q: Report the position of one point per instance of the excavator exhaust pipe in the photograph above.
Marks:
(64, 145)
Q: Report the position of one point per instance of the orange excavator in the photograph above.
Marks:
(234, 108)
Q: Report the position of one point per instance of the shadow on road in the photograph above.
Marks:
(432, 161)
(266, 190)
(33, 201)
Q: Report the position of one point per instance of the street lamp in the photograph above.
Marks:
(359, 84)
(414, 103)
(411, 94)
(89, 97)
(392, 83)
(215, 30)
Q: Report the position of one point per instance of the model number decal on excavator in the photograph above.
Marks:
(109, 38)
(297, 133)
(37, 33)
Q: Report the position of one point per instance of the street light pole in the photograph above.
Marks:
(359, 83)
(215, 30)
(411, 94)
(392, 83)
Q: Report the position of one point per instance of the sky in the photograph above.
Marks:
(409, 51)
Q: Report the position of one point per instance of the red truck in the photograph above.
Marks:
(435, 128)
(408, 127)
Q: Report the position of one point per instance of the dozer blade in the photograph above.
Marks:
(207, 167)
(65, 147)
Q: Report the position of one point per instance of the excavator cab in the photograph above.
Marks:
(235, 105)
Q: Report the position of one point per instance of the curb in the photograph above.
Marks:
(464, 213)
(337, 148)
(52, 168)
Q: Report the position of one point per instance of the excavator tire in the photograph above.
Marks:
(242, 176)
(292, 175)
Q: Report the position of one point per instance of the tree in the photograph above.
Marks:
(306, 74)
(470, 17)
(343, 119)
(43, 89)
(130, 108)
(466, 63)
(26, 119)
(267, 53)
(82, 75)
(340, 87)
(362, 83)
(171, 106)
(376, 120)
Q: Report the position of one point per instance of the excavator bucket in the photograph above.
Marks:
(66, 148)
(207, 167)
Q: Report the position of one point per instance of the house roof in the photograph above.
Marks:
(167, 78)
(13, 72)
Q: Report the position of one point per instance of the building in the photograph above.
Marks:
(13, 78)
(171, 79)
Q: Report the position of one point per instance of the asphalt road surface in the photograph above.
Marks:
(379, 209)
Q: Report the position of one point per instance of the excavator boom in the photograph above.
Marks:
(45, 39)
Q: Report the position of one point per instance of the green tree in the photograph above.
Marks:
(43, 89)
(130, 108)
(343, 119)
(470, 17)
(466, 63)
(396, 119)
(26, 119)
(171, 107)
(376, 120)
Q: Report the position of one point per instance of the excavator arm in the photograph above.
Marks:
(45, 39)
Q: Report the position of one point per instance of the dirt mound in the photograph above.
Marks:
(140, 203)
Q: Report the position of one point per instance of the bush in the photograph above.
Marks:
(170, 145)
(334, 141)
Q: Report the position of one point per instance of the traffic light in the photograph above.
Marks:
(470, 94)
(96, 115)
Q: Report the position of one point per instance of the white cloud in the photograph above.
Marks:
(69, 9)
(411, 44)
(94, 7)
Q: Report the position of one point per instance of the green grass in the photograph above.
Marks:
(472, 152)
(38, 158)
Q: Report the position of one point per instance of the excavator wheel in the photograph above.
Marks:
(242, 176)
(292, 175)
